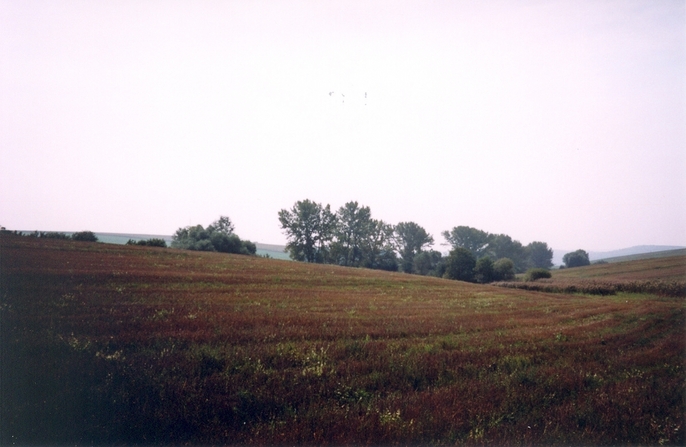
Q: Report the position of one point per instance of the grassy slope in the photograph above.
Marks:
(649, 255)
(672, 268)
(106, 343)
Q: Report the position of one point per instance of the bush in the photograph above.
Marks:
(218, 236)
(483, 272)
(503, 270)
(460, 265)
(53, 235)
(577, 258)
(537, 273)
(153, 242)
(84, 236)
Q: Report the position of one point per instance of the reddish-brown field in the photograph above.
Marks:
(659, 276)
(107, 344)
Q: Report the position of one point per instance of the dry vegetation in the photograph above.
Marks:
(127, 344)
(658, 276)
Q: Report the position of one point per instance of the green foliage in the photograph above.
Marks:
(483, 271)
(429, 263)
(309, 228)
(537, 273)
(540, 256)
(576, 258)
(153, 242)
(496, 246)
(85, 236)
(503, 246)
(460, 265)
(222, 225)
(410, 240)
(353, 226)
(503, 270)
(218, 236)
(476, 241)
(377, 248)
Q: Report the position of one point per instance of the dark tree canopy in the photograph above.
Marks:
(476, 241)
(410, 240)
(85, 236)
(576, 258)
(430, 263)
(216, 237)
(483, 271)
(309, 228)
(460, 265)
(503, 246)
(540, 256)
(503, 270)
(354, 225)
(378, 248)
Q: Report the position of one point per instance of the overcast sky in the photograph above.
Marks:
(557, 121)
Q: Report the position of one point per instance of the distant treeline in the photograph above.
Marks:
(351, 237)
(86, 236)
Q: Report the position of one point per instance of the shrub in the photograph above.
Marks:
(217, 236)
(85, 236)
(537, 273)
(503, 270)
(577, 258)
(460, 265)
(483, 272)
(153, 242)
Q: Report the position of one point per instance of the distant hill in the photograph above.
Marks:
(648, 251)
(637, 250)
(651, 255)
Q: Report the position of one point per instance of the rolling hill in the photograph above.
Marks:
(115, 344)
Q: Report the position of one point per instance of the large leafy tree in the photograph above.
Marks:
(429, 262)
(410, 240)
(540, 256)
(576, 258)
(472, 239)
(460, 265)
(503, 246)
(378, 249)
(353, 227)
(309, 227)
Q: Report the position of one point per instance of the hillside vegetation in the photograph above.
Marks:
(127, 344)
(671, 268)
(660, 276)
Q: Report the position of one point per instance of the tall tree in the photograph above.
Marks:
(309, 228)
(472, 239)
(540, 256)
(222, 225)
(378, 249)
(410, 240)
(354, 224)
(502, 246)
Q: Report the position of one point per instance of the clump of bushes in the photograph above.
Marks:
(218, 236)
(536, 273)
(84, 236)
(153, 242)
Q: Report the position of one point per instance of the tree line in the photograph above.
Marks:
(350, 236)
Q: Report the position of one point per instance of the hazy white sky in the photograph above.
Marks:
(558, 121)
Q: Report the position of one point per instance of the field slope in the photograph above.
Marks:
(124, 344)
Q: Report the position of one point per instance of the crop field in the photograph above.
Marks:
(664, 276)
(111, 344)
